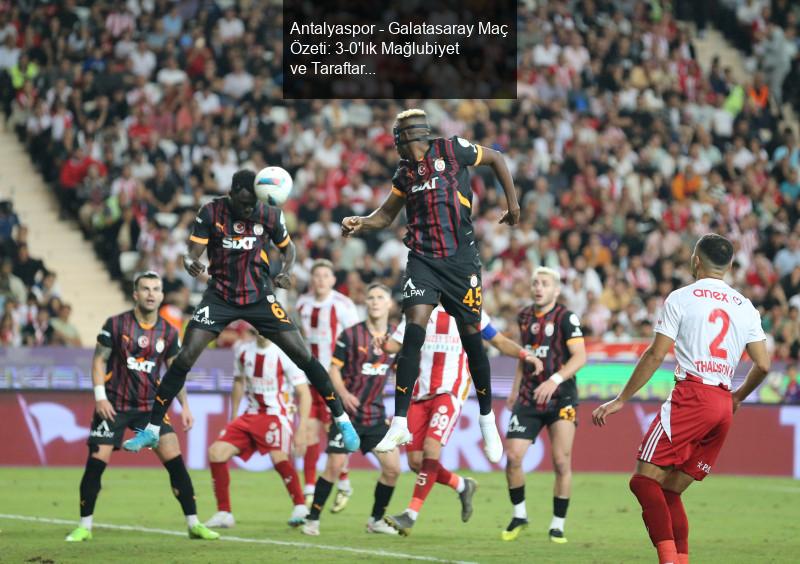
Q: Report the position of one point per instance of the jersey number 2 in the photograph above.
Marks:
(714, 348)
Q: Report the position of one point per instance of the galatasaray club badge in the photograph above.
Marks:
(238, 227)
(160, 346)
(422, 170)
(548, 329)
(258, 229)
(143, 341)
(271, 299)
(473, 281)
(438, 164)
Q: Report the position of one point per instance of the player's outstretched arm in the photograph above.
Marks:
(303, 411)
(379, 219)
(392, 346)
(761, 364)
(288, 257)
(645, 368)
(102, 406)
(509, 348)
(494, 159)
(237, 392)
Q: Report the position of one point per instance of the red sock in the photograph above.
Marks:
(291, 481)
(680, 523)
(425, 480)
(310, 464)
(655, 514)
(447, 478)
(344, 475)
(221, 479)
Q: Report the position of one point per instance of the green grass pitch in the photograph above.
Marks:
(732, 519)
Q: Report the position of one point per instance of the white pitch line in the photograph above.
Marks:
(362, 551)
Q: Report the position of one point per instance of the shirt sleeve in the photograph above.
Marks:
(571, 328)
(756, 333)
(669, 321)
(174, 344)
(238, 366)
(342, 347)
(349, 315)
(279, 234)
(467, 153)
(400, 182)
(105, 336)
(399, 332)
(201, 228)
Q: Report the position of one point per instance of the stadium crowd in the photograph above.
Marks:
(624, 151)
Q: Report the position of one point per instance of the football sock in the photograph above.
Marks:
(408, 367)
(181, 485)
(344, 481)
(448, 478)
(170, 385)
(310, 464)
(655, 514)
(221, 480)
(321, 493)
(680, 523)
(319, 378)
(425, 481)
(90, 488)
(383, 495)
(479, 369)
(560, 505)
(86, 522)
(291, 481)
(517, 496)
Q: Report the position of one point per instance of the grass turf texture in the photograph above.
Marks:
(732, 519)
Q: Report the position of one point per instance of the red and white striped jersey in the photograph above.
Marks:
(323, 321)
(270, 377)
(443, 364)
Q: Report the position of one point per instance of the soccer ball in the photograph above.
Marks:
(273, 185)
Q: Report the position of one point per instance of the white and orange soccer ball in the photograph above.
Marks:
(273, 185)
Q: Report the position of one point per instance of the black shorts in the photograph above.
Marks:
(453, 281)
(214, 314)
(527, 420)
(370, 437)
(105, 432)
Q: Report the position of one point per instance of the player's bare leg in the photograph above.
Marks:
(674, 485)
(219, 453)
(99, 457)
(292, 343)
(408, 360)
(481, 374)
(515, 477)
(647, 485)
(562, 435)
(195, 342)
(310, 459)
(169, 453)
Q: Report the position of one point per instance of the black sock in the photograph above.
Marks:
(517, 495)
(479, 369)
(560, 505)
(383, 495)
(90, 485)
(408, 367)
(170, 385)
(320, 379)
(322, 490)
(181, 485)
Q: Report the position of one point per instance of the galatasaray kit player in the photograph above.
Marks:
(710, 325)
(235, 231)
(547, 399)
(359, 372)
(131, 351)
(269, 378)
(438, 396)
(324, 314)
(444, 267)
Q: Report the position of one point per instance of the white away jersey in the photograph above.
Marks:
(443, 364)
(270, 377)
(711, 324)
(323, 321)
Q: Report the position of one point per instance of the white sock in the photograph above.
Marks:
(308, 489)
(399, 422)
(558, 523)
(343, 418)
(461, 485)
(344, 485)
(154, 428)
(410, 512)
(488, 419)
(86, 522)
(192, 520)
(519, 511)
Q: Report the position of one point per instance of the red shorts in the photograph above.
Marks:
(435, 418)
(690, 429)
(319, 409)
(258, 431)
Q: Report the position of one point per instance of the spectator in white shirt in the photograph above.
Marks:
(238, 82)
(171, 75)
(231, 28)
(546, 54)
(207, 100)
(143, 60)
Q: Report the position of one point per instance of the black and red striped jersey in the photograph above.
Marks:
(438, 197)
(547, 335)
(138, 354)
(237, 249)
(365, 368)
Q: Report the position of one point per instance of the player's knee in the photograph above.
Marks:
(562, 465)
(216, 452)
(514, 459)
(415, 464)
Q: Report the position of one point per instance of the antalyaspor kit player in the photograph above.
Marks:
(711, 325)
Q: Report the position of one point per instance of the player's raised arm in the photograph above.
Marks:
(645, 368)
(379, 219)
(761, 363)
(279, 235)
(494, 159)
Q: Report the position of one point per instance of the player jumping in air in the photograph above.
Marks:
(547, 399)
(359, 371)
(268, 377)
(131, 350)
(438, 396)
(236, 230)
(432, 183)
(711, 325)
(324, 313)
